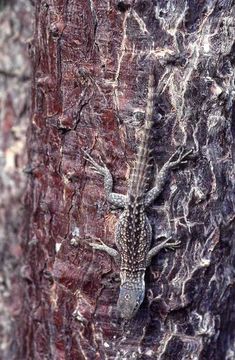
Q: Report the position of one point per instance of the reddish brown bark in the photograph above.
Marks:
(91, 62)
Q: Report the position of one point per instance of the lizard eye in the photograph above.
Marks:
(127, 297)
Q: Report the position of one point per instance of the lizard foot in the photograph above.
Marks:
(180, 156)
(100, 245)
(163, 245)
(173, 245)
(99, 169)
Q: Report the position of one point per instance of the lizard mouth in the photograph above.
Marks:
(130, 299)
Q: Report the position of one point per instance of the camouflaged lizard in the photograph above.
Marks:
(133, 237)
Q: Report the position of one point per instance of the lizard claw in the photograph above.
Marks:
(99, 242)
(181, 155)
(102, 162)
(89, 158)
(173, 245)
(101, 170)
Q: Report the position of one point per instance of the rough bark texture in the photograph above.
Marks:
(15, 30)
(91, 62)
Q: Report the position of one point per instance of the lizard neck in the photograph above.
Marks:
(132, 278)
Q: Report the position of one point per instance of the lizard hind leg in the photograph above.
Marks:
(117, 200)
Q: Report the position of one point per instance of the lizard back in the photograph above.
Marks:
(133, 237)
(133, 231)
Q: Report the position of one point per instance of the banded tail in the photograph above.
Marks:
(139, 179)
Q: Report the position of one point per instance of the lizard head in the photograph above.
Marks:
(130, 298)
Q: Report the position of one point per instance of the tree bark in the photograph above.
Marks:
(91, 61)
(15, 31)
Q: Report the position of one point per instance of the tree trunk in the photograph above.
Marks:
(91, 63)
(15, 30)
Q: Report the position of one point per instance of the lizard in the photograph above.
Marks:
(133, 234)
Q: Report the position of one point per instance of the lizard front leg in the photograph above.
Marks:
(118, 200)
(164, 244)
(180, 154)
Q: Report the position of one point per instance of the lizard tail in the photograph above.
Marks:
(139, 179)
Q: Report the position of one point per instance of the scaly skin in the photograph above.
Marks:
(133, 235)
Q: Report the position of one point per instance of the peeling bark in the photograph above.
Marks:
(91, 62)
